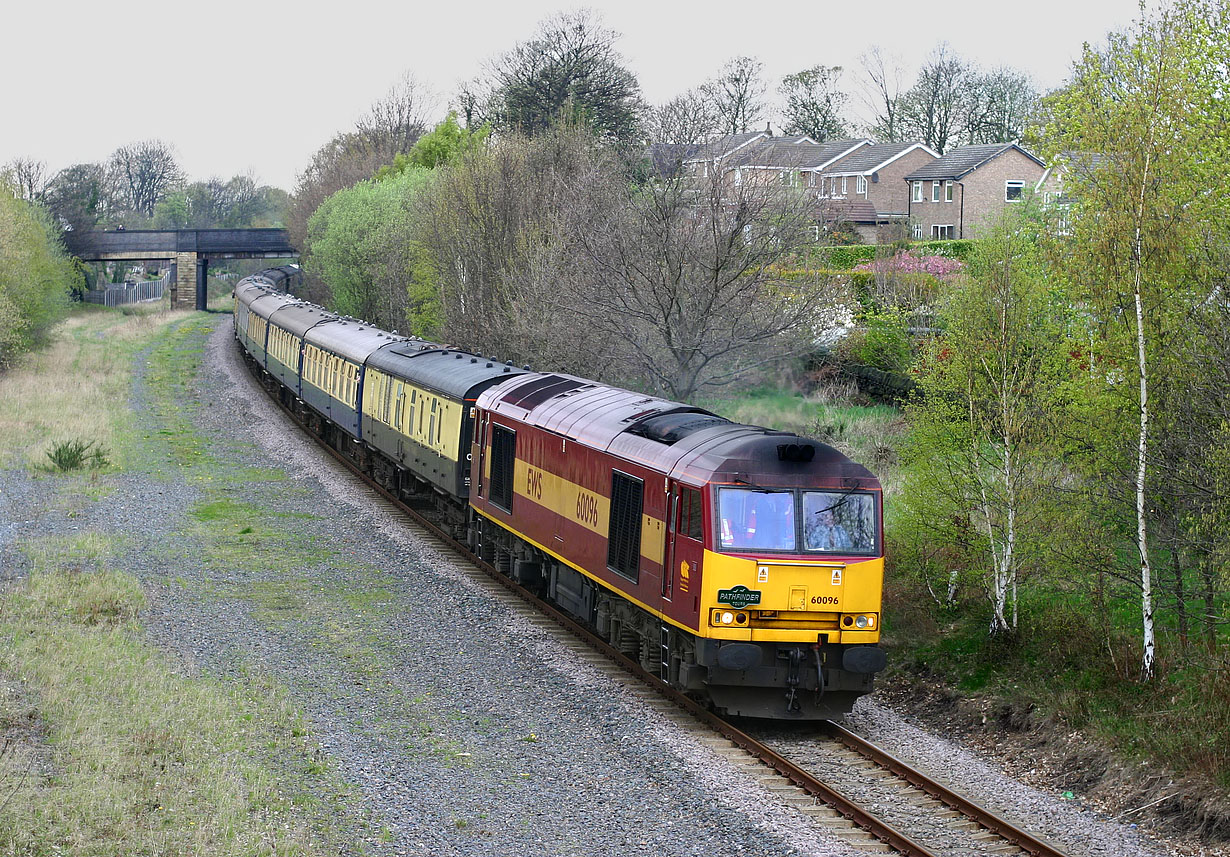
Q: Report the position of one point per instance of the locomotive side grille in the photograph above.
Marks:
(623, 551)
(503, 453)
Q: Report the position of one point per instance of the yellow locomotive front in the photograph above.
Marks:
(790, 593)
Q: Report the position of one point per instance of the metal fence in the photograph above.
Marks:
(119, 294)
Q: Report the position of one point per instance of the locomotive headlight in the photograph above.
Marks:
(861, 621)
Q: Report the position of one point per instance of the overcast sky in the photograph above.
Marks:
(258, 85)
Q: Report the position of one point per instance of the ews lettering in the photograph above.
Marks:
(533, 486)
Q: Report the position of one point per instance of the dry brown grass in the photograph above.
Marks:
(77, 389)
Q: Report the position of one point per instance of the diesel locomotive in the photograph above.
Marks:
(739, 564)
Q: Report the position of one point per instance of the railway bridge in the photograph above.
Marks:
(188, 250)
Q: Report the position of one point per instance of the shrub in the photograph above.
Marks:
(76, 454)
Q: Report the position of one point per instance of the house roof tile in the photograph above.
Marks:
(870, 158)
(782, 153)
(723, 146)
(960, 162)
(852, 210)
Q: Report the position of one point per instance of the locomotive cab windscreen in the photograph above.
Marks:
(798, 521)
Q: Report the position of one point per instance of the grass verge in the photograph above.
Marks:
(117, 752)
(78, 388)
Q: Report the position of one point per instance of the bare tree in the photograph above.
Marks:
(678, 279)
(738, 94)
(143, 173)
(394, 124)
(999, 105)
(28, 176)
(814, 104)
(688, 118)
(934, 108)
(882, 95)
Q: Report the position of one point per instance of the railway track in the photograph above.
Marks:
(944, 822)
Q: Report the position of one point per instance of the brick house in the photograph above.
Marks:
(865, 187)
(954, 195)
(797, 161)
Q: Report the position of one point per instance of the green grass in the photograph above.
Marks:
(118, 752)
(1079, 664)
(869, 434)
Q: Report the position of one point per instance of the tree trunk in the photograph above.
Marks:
(1180, 594)
(1148, 640)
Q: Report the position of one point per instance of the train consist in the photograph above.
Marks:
(739, 564)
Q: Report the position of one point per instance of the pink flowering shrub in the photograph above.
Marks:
(905, 262)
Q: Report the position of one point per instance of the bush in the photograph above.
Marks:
(76, 454)
(882, 343)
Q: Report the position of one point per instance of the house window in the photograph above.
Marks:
(832, 185)
(935, 191)
(623, 553)
(947, 191)
(916, 230)
(1012, 191)
(811, 179)
(918, 197)
(860, 185)
(843, 185)
(941, 232)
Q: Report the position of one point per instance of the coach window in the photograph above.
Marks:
(623, 552)
(503, 461)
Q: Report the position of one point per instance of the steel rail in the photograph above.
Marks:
(999, 826)
(843, 805)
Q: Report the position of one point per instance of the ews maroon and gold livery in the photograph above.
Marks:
(741, 564)
(737, 562)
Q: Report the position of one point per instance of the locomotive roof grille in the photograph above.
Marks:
(675, 426)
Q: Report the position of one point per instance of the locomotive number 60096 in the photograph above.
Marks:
(587, 509)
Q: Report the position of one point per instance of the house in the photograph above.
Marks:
(797, 161)
(707, 158)
(865, 187)
(964, 189)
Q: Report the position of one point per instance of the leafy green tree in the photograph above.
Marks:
(362, 244)
(173, 211)
(36, 276)
(980, 465)
(441, 145)
(1146, 117)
